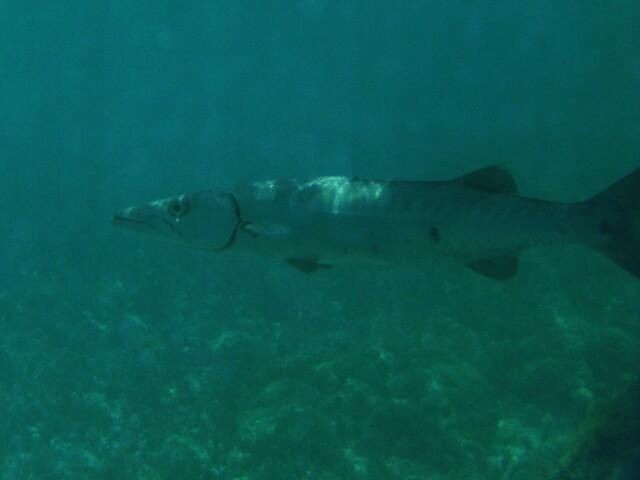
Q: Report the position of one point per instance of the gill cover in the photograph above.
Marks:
(205, 220)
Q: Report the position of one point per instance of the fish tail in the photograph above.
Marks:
(619, 206)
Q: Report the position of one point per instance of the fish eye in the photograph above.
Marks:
(178, 208)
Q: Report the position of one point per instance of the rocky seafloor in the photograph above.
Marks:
(151, 373)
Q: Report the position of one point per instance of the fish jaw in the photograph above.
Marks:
(202, 220)
(149, 218)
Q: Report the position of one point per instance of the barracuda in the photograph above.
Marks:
(477, 219)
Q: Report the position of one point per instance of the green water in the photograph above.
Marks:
(122, 357)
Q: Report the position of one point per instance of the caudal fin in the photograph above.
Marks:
(620, 204)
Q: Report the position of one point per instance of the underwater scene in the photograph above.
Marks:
(320, 240)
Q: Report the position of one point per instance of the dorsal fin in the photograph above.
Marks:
(494, 179)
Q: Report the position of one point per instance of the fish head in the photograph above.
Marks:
(204, 220)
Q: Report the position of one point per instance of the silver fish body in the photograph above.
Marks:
(337, 217)
(477, 219)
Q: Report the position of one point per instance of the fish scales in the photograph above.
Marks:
(477, 219)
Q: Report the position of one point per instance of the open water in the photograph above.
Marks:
(127, 358)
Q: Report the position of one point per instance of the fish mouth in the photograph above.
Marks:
(118, 218)
(143, 222)
(121, 220)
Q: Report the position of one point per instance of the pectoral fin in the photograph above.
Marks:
(497, 268)
(267, 230)
(307, 265)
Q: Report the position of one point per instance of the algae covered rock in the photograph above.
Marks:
(397, 428)
(289, 421)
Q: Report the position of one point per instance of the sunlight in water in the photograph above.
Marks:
(340, 194)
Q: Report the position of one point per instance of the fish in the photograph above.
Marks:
(478, 220)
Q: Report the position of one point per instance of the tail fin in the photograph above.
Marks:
(620, 204)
